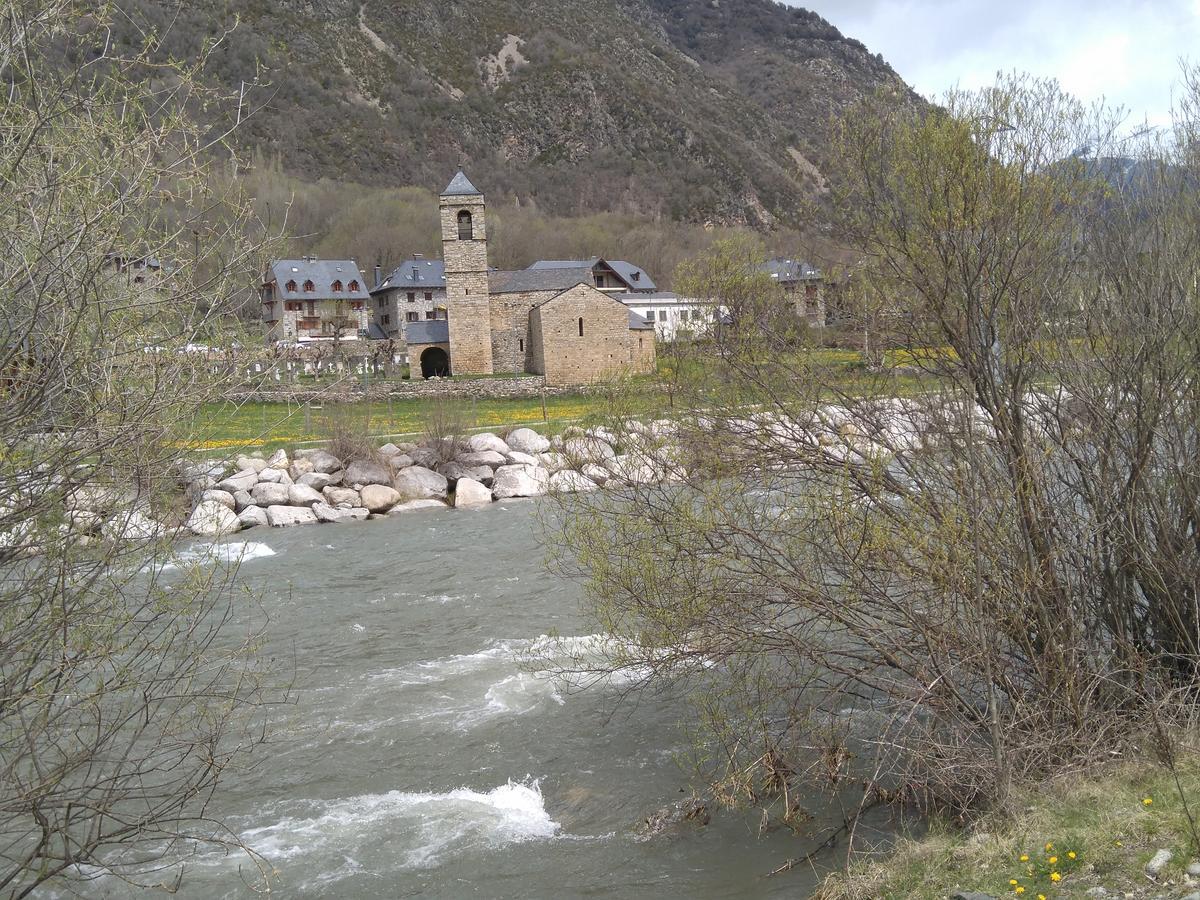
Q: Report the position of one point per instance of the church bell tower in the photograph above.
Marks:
(464, 250)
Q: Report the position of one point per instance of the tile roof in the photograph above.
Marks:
(634, 276)
(546, 279)
(789, 270)
(413, 274)
(460, 186)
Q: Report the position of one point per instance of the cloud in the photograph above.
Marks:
(1124, 51)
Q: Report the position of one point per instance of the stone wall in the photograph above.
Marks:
(478, 388)
(606, 347)
(467, 287)
(511, 350)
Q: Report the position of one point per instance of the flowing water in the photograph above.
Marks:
(425, 760)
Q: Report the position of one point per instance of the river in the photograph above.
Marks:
(423, 759)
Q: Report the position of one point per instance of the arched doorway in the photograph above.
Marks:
(435, 361)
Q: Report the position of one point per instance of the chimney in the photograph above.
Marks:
(418, 256)
(378, 274)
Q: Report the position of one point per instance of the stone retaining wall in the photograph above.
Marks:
(478, 388)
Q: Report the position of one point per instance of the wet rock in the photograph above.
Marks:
(414, 505)
(223, 497)
(366, 472)
(332, 514)
(480, 443)
(342, 498)
(420, 483)
(252, 516)
(270, 494)
(692, 811)
(323, 461)
(520, 481)
(470, 494)
(1158, 862)
(379, 497)
(284, 516)
(526, 440)
(212, 519)
(302, 495)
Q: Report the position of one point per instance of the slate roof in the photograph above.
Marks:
(635, 277)
(460, 186)
(629, 297)
(430, 273)
(638, 322)
(427, 331)
(789, 270)
(552, 279)
(322, 273)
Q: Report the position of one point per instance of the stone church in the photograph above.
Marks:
(548, 321)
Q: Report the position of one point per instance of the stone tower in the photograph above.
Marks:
(464, 249)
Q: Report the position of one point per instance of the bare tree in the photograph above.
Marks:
(126, 691)
(927, 597)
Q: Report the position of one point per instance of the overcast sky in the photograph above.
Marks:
(1125, 51)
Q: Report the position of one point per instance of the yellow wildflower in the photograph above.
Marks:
(1054, 876)
(1147, 801)
(1041, 897)
(1053, 860)
(1119, 844)
(1049, 846)
(1019, 890)
(1024, 857)
(1012, 881)
(1070, 854)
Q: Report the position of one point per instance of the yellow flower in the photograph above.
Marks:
(1119, 844)
(1012, 881)
(1147, 801)
(1053, 860)
(1049, 846)
(1054, 876)
(1070, 854)
(1024, 857)
(1019, 890)
(1041, 897)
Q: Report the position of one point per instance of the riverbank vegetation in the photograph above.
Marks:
(940, 600)
(128, 688)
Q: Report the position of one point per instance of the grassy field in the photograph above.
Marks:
(1094, 830)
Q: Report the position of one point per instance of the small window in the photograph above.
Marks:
(429, 296)
(412, 316)
(309, 286)
(353, 285)
(431, 314)
(387, 320)
(521, 344)
(662, 315)
(581, 326)
(291, 286)
(412, 297)
(357, 304)
(336, 287)
(466, 231)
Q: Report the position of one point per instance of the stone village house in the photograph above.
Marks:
(310, 299)
(415, 291)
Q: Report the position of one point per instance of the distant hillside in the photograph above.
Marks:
(697, 110)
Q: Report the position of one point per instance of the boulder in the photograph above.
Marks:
(470, 494)
(318, 481)
(478, 443)
(517, 458)
(597, 473)
(1158, 862)
(270, 494)
(342, 498)
(682, 813)
(303, 495)
(323, 461)
(299, 468)
(274, 476)
(398, 461)
(132, 525)
(424, 456)
(390, 449)
(241, 481)
(420, 483)
(223, 497)
(252, 516)
(278, 459)
(241, 500)
(414, 505)
(587, 449)
(326, 513)
(283, 516)
(553, 461)
(250, 464)
(520, 481)
(366, 472)
(456, 470)
(379, 497)
(526, 440)
(212, 519)
(569, 481)
(482, 474)
(482, 458)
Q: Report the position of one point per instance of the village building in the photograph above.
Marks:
(550, 319)
(611, 276)
(672, 316)
(415, 291)
(308, 300)
(803, 286)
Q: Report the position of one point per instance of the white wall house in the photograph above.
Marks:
(673, 316)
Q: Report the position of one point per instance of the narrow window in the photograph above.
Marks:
(581, 326)
(662, 315)
(465, 230)
(429, 296)
(291, 286)
(336, 287)
(431, 314)
(354, 285)
(521, 344)
(412, 297)
(309, 286)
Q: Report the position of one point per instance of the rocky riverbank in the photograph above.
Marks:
(312, 486)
